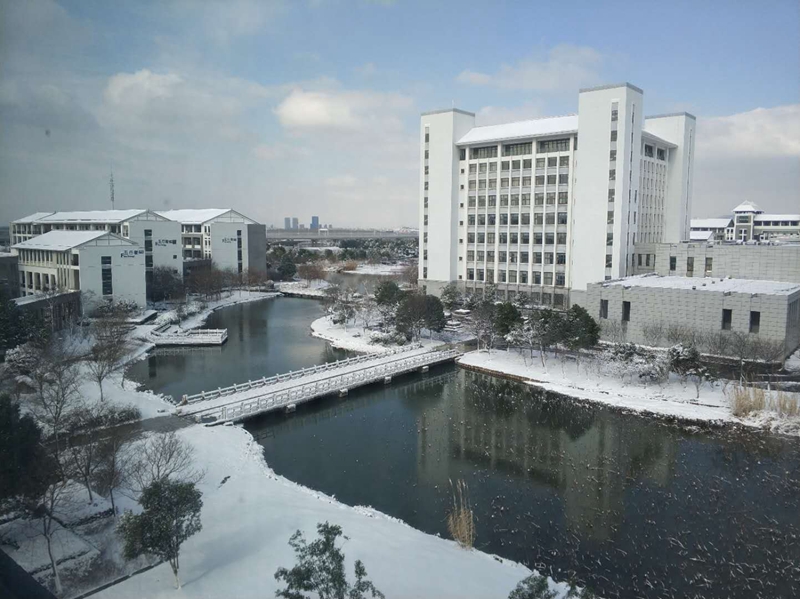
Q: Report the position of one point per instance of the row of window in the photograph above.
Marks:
(727, 316)
(561, 179)
(520, 199)
(511, 257)
(506, 165)
(517, 149)
(538, 219)
(661, 154)
(512, 276)
(524, 238)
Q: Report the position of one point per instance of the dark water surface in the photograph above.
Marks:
(265, 337)
(629, 506)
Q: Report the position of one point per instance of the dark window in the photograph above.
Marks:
(554, 145)
(626, 311)
(673, 262)
(427, 137)
(755, 321)
(484, 152)
(709, 265)
(689, 266)
(148, 261)
(603, 308)
(462, 154)
(148, 233)
(105, 260)
(727, 318)
(148, 245)
(517, 149)
(613, 136)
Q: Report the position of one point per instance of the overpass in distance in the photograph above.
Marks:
(339, 234)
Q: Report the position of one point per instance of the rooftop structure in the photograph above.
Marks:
(727, 285)
(750, 223)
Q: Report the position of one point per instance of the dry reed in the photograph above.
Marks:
(460, 521)
(746, 399)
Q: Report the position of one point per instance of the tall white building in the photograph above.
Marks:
(546, 206)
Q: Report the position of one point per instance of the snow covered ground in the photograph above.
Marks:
(249, 517)
(672, 399)
(357, 338)
(793, 362)
(377, 269)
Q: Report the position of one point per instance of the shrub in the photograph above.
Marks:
(320, 568)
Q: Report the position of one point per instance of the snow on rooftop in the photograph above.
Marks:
(522, 129)
(707, 284)
(33, 217)
(61, 240)
(710, 223)
(700, 235)
(747, 207)
(99, 216)
(193, 216)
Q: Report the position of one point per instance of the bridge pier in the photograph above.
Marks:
(387, 380)
(424, 369)
(342, 392)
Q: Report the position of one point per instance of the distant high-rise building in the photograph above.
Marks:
(295, 222)
(287, 223)
(314, 223)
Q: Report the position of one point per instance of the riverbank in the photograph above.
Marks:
(357, 338)
(249, 513)
(672, 400)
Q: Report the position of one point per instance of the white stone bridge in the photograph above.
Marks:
(285, 391)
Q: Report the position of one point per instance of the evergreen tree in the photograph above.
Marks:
(451, 296)
(506, 316)
(287, 267)
(388, 293)
(434, 314)
(320, 569)
(412, 314)
(26, 468)
(533, 587)
(171, 514)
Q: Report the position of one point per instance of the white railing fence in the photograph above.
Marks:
(336, 383)
(295, 374)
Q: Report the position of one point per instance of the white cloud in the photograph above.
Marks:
(342, 110)
(759, 132)
(224, 22)
(748, 156)
(279, 150)
(366, 70)
(564, 67)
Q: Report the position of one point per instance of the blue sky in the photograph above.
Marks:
(311, 106)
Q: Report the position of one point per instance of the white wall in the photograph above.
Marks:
(224, 247)
(680, 130)
(127, 273)
(445, 128)
(167, 249)
(589, 229)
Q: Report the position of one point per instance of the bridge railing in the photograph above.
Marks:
(292, 375)
(304, 392)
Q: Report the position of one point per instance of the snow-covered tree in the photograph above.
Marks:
(320, 569)
(534, 586)
(451, 296)
(170, 515)
(159, 457)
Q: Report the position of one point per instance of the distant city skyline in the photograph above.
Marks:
(177, 98)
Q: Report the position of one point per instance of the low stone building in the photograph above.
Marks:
(631, 308)
(766, 262)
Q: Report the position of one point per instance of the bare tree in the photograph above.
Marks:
(114, 458)
(159, 457)
(311, 271)
(675, 334)
(612, 330)
(653, 332)
(55, 377)
(110, 347)
(52, 503)
(717, 342)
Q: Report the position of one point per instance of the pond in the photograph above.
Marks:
(265, 337)
(630, 506)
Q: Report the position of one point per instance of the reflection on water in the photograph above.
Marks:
(264, 338)
(631, 507)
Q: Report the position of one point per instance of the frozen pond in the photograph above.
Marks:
(631, 507)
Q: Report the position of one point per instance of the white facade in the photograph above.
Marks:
(228, 238)
(547, 206)
(101, 265)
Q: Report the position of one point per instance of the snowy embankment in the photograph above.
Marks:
(673, 399)
(249, 514)
(312, 289)
(377, 269)
(357, 338)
